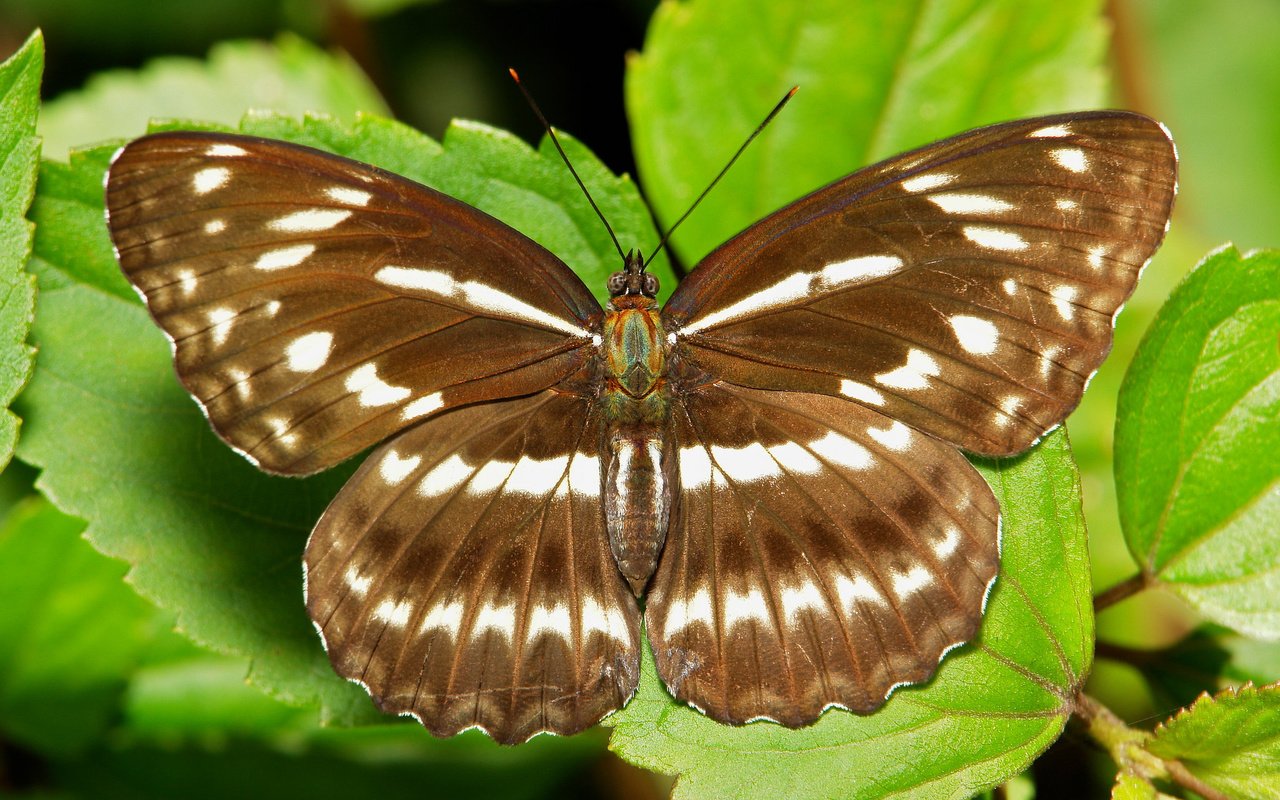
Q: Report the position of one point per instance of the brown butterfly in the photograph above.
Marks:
(774, 456)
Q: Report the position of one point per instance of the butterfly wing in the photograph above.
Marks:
(463, 574)
(311, 329)
(822, 555)
(967, 289)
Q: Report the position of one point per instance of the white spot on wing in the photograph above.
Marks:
(944, 547)
(1065, 204)
(744, 608)
(850, 591)
(861, 391)
(352, 197)
(422, 406)
(536, 477)
(1062, 301)
(215, 226)
(695, 467)
(220, 320)
(1096, 254)
(210, 179)
(393, 613)
(186, 282)
(963, 203)
(309, 352)
(1070, 158)
(976, 335)
(445, 476)
(1010, 286)
(476, 293)
(914, 374)
(309, 220)
(550, 619)
(806, 597)
(447, 616)
(283, 257)
(795, 458)
(681, 613)
(746, 464)
(994, 238)
(373, 390)
(800, 286)
(896, 437)
(357, 583)
(497, 618)
(395, 469)
(225, 150)
(584, 475)
(842, 450)
(607, 620)
(1050, 132)
(923, 183)
(907, 584)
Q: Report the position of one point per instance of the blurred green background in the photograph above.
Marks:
(184, 721)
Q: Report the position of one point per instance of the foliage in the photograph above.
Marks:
(96, 684)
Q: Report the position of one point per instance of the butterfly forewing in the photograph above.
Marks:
(463, 575)
(822, 555)
(967, 288)
(317, 305)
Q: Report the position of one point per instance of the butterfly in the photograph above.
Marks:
(770, 464)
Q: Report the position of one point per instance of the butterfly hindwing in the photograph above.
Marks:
(463, 575)
(316, 304)
(823, 554)
(967, 288)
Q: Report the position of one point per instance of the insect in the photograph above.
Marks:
(771, 461)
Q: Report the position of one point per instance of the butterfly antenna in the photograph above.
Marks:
(556, 141)
(666, 236)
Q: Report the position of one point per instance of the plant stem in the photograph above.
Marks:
(1125, 588)
(1127, 747)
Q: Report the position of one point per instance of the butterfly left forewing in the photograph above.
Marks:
(317, 305)
(463, 575)
(822, 555)
(967, 288)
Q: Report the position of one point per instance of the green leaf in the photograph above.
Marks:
(989, 711)
(1131, 787)
(1231, 741)
(70, 634)
(125, 448)
(875, 79)
(1197, 476)
(19, 158)
(290, 76)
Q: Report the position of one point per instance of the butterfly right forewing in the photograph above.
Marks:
(317, 305)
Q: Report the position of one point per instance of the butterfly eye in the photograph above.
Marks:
(650, 286)
(617, 284)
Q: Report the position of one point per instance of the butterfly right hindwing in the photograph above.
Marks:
(463, 574)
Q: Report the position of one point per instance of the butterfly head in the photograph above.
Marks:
(632, 279)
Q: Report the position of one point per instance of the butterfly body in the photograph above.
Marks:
(638, 471)
(774, 456)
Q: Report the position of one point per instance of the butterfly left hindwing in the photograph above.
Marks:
(823, 554)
